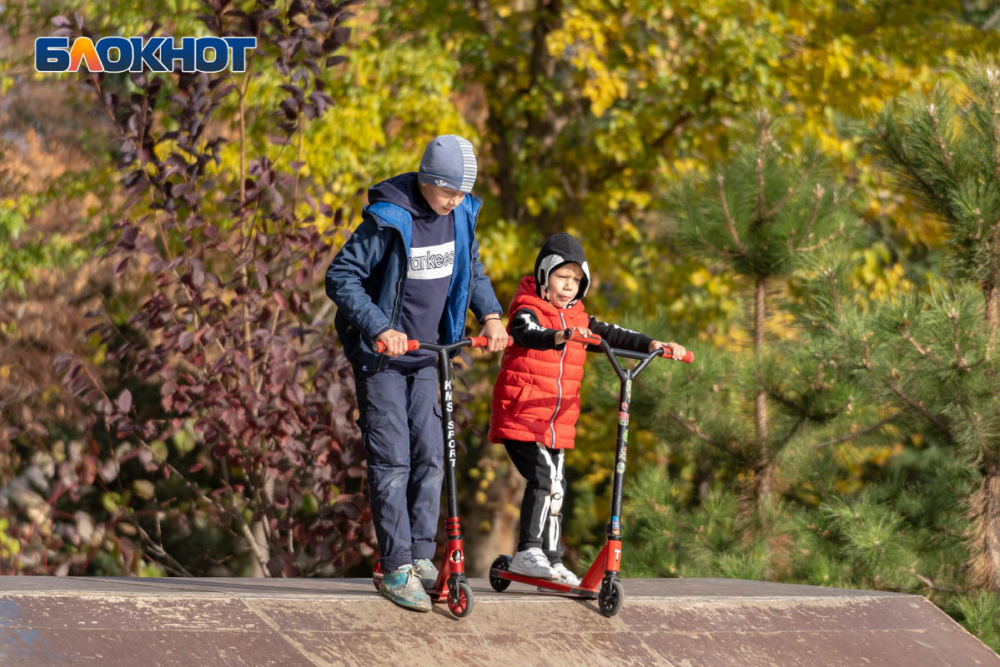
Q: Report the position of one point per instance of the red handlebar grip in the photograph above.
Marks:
(573, 337)
(688, 357)
(411, 345)
(483, 341)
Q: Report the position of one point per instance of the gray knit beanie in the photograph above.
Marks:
(449, 162)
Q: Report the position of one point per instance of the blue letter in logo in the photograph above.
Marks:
(170, 53)
(51, 54)
(221, 59)
(144, 55)
(240, 46)
(124, 47)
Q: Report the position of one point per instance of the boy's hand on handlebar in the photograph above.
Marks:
(395, 342)
(496, 335)
(582, 332)
(676, 351)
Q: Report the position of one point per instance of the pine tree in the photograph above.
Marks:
(755, 423)
(761, 218)
(935, 356)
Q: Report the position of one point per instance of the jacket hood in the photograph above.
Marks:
(557, 250)
(404, 192)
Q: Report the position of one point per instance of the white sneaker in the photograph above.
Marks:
(565, 576)
(532, 563)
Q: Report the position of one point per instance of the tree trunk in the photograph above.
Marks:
(765, 475)
(985, 514)
(991, 292)
(984, 507)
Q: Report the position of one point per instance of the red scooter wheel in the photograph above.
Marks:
(461, 604)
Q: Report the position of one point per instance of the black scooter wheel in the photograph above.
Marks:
(498, 584)
(460, 604)
(611, 597)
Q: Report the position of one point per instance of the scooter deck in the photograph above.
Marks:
(577, 591)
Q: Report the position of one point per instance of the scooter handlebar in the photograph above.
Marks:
(412, 344)
(573, 337)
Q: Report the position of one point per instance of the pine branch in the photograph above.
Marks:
(817, 246)
(763, 121)
(795, 428)
(858, 434)
(774, 393)
(930, 584)
(701, 435)
(993, 80)
(729, 218)
(792, 191)
(902, 164)
(991, 21)
(919, 407)
(942, 147)
(817, 198)
(959, 359)
(924, 352)
(759, 165)
(977, 429)
(711, 248)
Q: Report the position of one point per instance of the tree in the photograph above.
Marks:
(227, 335)
(938, 357)
(390, 99)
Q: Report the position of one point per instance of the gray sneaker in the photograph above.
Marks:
(402, 586)
(428, 574)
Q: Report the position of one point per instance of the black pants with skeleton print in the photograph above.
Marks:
(541, 516)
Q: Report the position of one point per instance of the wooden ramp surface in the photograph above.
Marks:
(315, 622)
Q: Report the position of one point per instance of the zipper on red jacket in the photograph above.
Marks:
(552, 422)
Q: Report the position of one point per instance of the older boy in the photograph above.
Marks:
(410, 270)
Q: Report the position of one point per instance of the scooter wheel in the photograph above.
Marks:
(611, 597)
(498, 584)
(461, 604)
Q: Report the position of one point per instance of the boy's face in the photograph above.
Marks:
(441, 200)
(564, 284)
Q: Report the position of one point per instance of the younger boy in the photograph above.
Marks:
(410, 270)
(536, 398)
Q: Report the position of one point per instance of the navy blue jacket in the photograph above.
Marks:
(366, 279)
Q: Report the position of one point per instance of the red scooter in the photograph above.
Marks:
(452, 585)
(601, 580)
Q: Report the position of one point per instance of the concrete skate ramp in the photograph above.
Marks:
(309, 622)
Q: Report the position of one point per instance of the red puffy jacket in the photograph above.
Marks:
(536, 397)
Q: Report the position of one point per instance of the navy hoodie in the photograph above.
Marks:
(429, 266)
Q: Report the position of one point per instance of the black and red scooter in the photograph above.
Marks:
(601, 580)
(452, 586)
